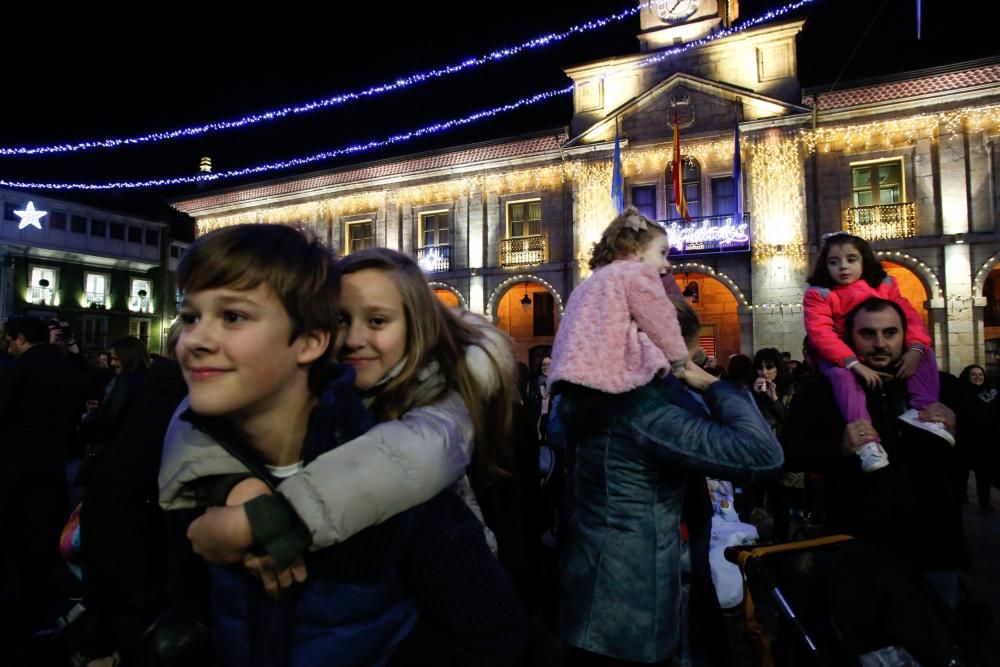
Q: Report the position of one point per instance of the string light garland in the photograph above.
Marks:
(777, 174)
(339, 99)
(697, 267)
(900, 131)
(298, 162)
(899, 257)
(985, 269)
(400, 83)
(721, 34)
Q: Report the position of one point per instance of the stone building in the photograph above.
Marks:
(504, 228)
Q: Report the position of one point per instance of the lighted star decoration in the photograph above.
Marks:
(30, 217)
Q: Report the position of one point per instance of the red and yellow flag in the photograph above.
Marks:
(680, 202)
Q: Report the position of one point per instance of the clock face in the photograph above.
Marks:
(675, 11)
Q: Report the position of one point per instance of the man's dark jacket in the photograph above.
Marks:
(40, 405)
(908, 507)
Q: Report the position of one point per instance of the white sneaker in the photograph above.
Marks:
(873, 456)
(912, 418)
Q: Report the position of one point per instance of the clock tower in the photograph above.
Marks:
(667, 23)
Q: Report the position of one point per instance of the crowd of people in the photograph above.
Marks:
(327, 466)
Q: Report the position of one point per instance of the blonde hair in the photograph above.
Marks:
(628, 234)
(436, 333)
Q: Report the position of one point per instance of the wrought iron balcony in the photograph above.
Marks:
(41, 296)
(434, 258)
(884, 221)
(140, 304)
(523, 251)
(95, 299)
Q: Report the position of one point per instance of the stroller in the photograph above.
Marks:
(834, 601)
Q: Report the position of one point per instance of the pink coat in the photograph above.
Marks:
(619, 330)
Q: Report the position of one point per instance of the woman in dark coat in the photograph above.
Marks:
(983, 431)
(632, 457)
(121, 523)
(129, 360)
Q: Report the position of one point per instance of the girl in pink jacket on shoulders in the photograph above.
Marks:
(846, 274)
(620, 329)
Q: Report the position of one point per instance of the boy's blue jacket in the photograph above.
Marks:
(364, 596)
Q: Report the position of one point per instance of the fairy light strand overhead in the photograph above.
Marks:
(395, 139)
(400, 83)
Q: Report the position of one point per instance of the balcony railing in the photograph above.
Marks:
(140, 304)
(522, 251)
(434, 258)
(95, 299)
(885, 221)
(41, 296)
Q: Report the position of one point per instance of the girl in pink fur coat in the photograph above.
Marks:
(620, 329)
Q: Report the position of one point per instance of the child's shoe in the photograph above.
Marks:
(873, 456)
(912, 417)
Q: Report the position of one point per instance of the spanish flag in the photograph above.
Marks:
(680, 203)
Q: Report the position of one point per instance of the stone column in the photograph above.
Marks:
(959, 308)
(954, 184)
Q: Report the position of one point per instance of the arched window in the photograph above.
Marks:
(691, 182)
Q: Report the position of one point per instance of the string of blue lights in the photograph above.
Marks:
(299, 161)
(402, 137)
(339, 99)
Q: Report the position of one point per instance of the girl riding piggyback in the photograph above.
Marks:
(620, 329)
(846, 274)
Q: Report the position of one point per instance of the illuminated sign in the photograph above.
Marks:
(720, 233)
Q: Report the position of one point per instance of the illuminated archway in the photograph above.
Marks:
(528, 311)
(448, 295)
(717, 308)
(911, 287)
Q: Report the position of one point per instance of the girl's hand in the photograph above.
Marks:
(908, 364)
(870, 377)
(275, 580)
(696, 377)
(221, 534)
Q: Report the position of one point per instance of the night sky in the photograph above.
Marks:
(75, 74)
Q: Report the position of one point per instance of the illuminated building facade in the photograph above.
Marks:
(505, 228)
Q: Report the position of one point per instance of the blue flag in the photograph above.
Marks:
(617, 180)
(737, 179)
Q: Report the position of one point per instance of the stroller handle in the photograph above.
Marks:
(732, 554)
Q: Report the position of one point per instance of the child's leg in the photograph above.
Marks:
(924, 386)
(848, 394)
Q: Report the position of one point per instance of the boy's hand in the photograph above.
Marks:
(247, 490)
(908, 364)
(870, 377)
(274, 580)
(221, 534)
